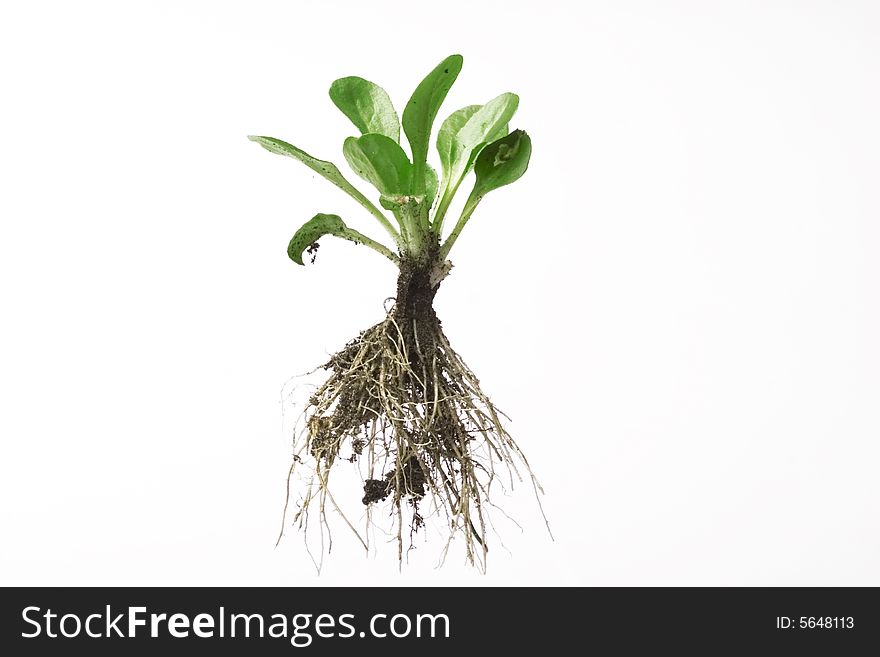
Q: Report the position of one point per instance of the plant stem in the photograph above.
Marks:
(469, 207)
(418, 179)
(376, 212)
(414, 240)
(445, 201)
(425, 216)
(359, 238)
(442, 207)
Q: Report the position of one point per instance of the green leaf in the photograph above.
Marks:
(446, 136)
(326, 169)
(462, 136)
(380, 161)
(331, 224)
(314, 228)
(421, 110)
(483, 126)
(329, 171)
(395, 201)
(392, 203)
(503, 131)
(367, 105)
(431, 185)
(502, 162)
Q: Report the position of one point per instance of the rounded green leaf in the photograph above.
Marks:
(502, 162)
(422, 108)
(446, 136)
(380, 161)
(367, 105)
(478, 130)
(312, 230)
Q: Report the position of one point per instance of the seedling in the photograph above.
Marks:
(399, 400)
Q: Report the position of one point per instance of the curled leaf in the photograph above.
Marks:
(502, 162)
(311, 231)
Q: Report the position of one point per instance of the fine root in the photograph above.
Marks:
(402, 404)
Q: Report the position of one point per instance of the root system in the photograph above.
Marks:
(402, 403)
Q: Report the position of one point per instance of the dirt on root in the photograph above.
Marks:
(402, 403)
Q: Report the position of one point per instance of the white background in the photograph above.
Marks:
(677, 304)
